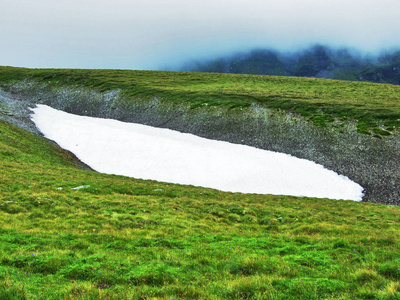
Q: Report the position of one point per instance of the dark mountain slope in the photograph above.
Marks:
(317, 61)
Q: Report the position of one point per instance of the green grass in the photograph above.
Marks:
(122, 238)
(374, 106)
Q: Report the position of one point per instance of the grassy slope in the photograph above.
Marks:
(376, 107)
(123, 237)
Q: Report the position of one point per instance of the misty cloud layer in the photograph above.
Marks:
(316, 61)
(153, 34)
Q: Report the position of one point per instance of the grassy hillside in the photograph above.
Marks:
(116, 238)
(68, 233)
(376, 107)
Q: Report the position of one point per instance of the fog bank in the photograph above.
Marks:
(155, 34)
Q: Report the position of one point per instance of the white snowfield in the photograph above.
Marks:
(146, 152)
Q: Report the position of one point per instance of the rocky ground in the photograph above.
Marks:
(16, 112)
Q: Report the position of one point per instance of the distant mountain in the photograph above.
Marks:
(317, 61)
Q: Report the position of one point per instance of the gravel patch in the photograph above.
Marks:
(16, 112)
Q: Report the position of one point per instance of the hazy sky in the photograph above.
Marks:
(152, 34)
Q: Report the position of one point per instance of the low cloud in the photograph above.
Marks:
(154, 33)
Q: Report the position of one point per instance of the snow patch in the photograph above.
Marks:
(135, 150)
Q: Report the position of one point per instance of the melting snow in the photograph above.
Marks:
(140, 151)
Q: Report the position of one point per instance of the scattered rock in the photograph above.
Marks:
(81, 187)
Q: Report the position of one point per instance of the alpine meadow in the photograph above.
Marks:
(68, 232)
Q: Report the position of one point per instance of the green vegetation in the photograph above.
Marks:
(122, 238)
(375, 107)
(69, 233)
